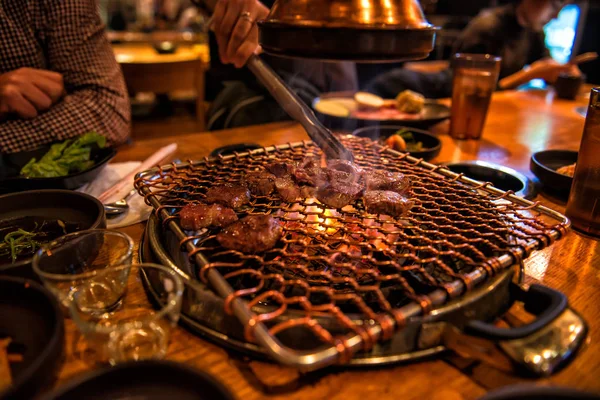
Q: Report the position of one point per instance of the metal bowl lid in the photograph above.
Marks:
(363, 14)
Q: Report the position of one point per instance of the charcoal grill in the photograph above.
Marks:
(348, 287)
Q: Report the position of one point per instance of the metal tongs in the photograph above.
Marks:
(298, 110)
(290, 102)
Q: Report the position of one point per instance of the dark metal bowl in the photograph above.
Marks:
(32, 318)
(502, 177)
(11, 164)
(144, 380)
(54, 204)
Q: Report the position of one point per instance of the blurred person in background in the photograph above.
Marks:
(58, 75)
(514, 32)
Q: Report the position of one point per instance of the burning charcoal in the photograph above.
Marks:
(386, 202)
(229, 194)
(385, 180)
(287, 189)
(198, 216)
(340, 190)
(260, 183)
(282, 169)
(252, 234)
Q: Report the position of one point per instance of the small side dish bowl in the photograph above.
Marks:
(68, 206)
(33, 322)
(431, 144)
(544, 165)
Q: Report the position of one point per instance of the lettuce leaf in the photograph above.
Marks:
(64, 158)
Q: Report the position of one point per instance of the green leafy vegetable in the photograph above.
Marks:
(17, 242)
(64, 158)
(411, 144)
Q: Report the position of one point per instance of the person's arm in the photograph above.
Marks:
(546, 69)
(96, 99)
(234, 24)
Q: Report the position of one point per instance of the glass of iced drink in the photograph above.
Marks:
(584, 200)
(474, 81)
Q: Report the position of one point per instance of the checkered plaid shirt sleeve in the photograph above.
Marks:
(66, 36)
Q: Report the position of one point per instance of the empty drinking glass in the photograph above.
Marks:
(135, 330)
(75, 262)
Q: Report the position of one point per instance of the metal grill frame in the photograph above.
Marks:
(343, 350)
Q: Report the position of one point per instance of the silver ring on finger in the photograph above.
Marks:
(246, 16)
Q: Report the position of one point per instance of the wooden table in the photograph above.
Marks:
(519, 123)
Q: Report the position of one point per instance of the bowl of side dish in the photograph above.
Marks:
(30, 219)
(64, 165)
(554, 169)
(418, 143)
(32, 339)
(347, 111)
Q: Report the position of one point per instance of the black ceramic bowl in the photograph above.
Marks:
(65, 205)
(567, 86)
(31, 317)
(11, 164)
(149, 380)
(431, 144)
(544, 165)
(234, 148)
(501, 177)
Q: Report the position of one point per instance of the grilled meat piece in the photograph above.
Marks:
(232, 195)
(287, 189)
(310, 173)
(260, 183)
(198, 216)
(252, 234)
(341, 189)
(344, 166)
(386, 180)
(282, 169)
(386, 202)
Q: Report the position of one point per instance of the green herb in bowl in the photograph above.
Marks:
(70, 156)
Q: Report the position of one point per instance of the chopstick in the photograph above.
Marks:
(583, 58)
(150, 162)
(517, 77)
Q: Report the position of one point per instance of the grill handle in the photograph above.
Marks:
(544, 302)
(539, 348)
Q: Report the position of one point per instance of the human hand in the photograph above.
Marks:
(549, 70)
(234, 24)
(28, 91)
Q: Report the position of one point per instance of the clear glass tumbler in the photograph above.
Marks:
(136, 330)
(583, 207)
(474, 80)
(75, 262)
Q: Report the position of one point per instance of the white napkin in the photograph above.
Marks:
(138, 210)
